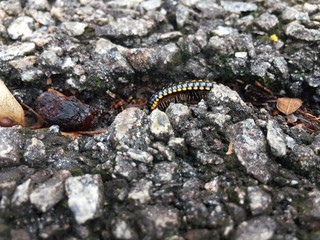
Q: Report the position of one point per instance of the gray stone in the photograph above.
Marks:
(10, 143)
(10, 176)
(178, 145)
(31, 75)
(122, 230)
(281, 66)
(167, 54)
(43, 18)
(35, 152)
(129, 126)
(140, 192)
(259, 200)
(223, 98)
(238, 7)
(74, 28)
(219, 119)
(222, 31)
(39, 4)
(22, 27)
(260, 68)
(164, 152)
(125, 168)
(50, 192)
(21, 234)
(303, 159)
(7, 186)
(315, 17)
(126, 27)
(267, 21)
(315, 145)
(298, 31)
(139, 155)
(160, 125)
(142, 59)
(11, 7)
(164, 171)
(116, 63)
(190, 3)
(313, 79)
(170, 36)
(182, 15)
(311, 208)
(310, 8)
(164, 219)
(50, 58)
(291, 14)
(24, 63)
(103, 45)
(178, 114)
(21, 194)
(151, 4)
(249, 145)
(85, 196)
(276, 139)
(262, 228)
(16, 50)
(124, 3)
(41, 37)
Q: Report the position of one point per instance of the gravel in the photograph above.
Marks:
(221, 168)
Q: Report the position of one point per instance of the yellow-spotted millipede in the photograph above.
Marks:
(189, 92)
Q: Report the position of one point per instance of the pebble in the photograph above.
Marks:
(126, 27)
(49, 193)
(262, 228)
(249, 145)
(24, 63)
(140, 191)
(85, 196)
(162, 218)
(122, 230)
(22, 27)
(303, 159)
(140, 156)
(267, 21)
(35, 152)
(150, 5)
(74, 28)
(164, 171)
(291, 14)
(10, 143)
(38, 4)
(16, 50)
(127, 124)
(259, 200)
(238, 7)
(21, 194)
(276, 139)
(182, 15)
(160, 125)
(298, 31)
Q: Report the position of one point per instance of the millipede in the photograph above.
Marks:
(188, 92)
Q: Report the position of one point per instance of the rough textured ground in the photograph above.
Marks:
(161, 175)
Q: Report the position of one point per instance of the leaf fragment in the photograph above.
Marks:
(9, 106)
(288, 105)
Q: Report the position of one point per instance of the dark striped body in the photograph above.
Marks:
(189, 92)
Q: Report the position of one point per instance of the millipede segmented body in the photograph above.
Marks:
(190, 91)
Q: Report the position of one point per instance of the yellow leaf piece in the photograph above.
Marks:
(288, 105)
(9, 106)
(274, 38)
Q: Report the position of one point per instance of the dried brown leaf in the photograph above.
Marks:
(288, 105)
(9, 106)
